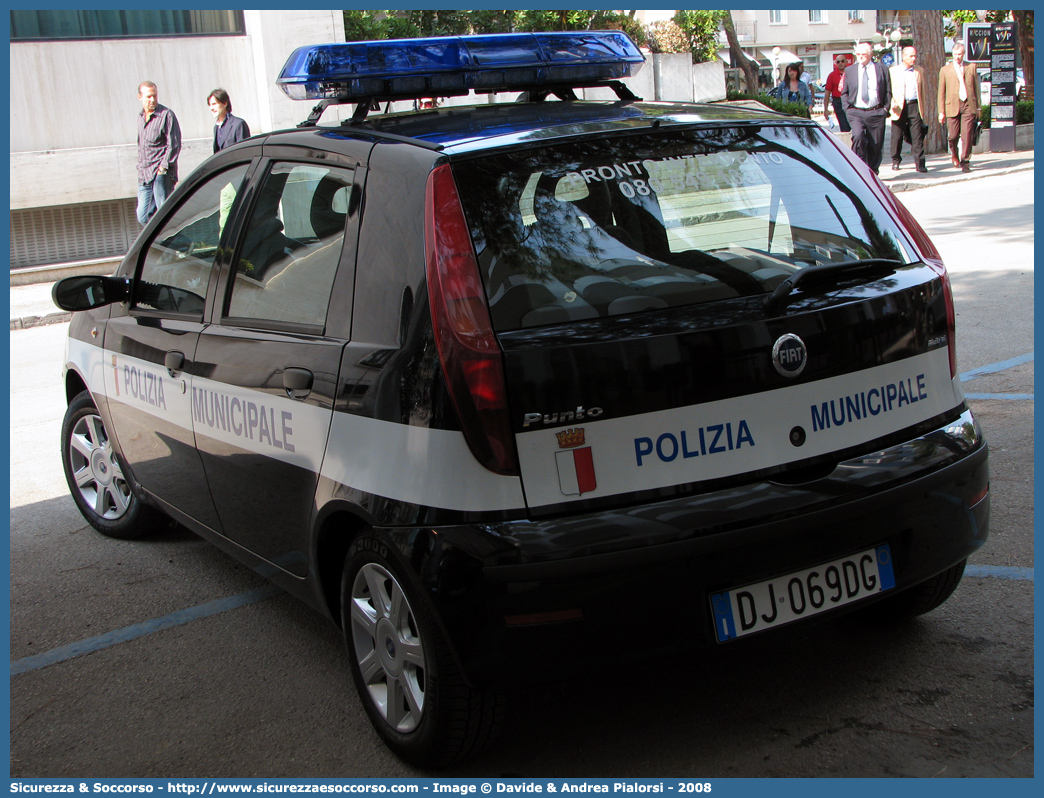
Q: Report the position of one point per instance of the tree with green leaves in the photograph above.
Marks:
(701, 29)
(931, 57)
(362, 25)
(739, 58)
(1024, 21)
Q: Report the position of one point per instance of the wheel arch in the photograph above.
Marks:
(74, 385)
(337, 528)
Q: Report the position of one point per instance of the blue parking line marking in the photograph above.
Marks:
(91, 644)
(1000, 572)
(993, 368)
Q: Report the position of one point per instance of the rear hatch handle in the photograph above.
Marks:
(828, 273)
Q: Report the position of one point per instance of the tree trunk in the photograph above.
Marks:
(1024, 21)
(931, 56)
(738, 57)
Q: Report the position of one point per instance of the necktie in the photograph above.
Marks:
(962, 93)
(864, 87)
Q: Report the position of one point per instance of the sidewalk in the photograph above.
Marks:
(941, 171)
(31, 305)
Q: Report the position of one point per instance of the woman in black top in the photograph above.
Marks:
(228, 129)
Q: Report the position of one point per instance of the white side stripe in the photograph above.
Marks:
(433, 468)
(429, 467)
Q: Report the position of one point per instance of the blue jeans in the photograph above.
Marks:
(151, 195)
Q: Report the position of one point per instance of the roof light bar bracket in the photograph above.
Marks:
(564, 93)
(317, 111)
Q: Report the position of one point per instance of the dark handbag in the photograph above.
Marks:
(976, 131)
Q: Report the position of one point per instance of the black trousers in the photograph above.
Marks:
(839, 112)
(908, 126)
(868, 131)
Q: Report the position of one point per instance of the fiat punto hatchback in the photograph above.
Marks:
(496, 386)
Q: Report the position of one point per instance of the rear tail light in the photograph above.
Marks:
(468, 350)
(931, 256)
(951, 315)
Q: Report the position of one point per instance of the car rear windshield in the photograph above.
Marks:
(611, 226)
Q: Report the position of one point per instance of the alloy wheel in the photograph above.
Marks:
(96, 471)
(388, 647)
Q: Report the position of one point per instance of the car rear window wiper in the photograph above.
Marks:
(829, 273)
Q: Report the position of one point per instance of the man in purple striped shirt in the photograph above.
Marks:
(159, 144)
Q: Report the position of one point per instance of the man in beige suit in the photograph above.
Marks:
(959, 105)
(908, 94)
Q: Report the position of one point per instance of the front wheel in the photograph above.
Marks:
(95, 475)
(410, 687)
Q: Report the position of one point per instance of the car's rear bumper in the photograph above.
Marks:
(521, 599)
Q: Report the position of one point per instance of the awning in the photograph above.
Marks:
(784, 57)
(726, 56)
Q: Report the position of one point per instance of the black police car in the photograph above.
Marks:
(495, 386)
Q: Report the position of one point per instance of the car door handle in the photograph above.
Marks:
(175, 363)
(297, 382)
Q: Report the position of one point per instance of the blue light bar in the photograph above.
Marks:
(449, 66)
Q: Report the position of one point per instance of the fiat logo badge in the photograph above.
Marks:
(789, 355)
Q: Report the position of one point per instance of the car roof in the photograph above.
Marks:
(465, 129)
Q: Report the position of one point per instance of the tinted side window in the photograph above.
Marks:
(180, 258)
(289, 254)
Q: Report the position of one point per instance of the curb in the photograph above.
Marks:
(913, 185)
(26, 322)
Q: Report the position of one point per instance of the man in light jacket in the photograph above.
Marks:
(959, 105)
(908, 94)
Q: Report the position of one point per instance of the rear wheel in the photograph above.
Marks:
(922, 598)
(409, 685)
(96, 479)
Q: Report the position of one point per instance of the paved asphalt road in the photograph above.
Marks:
(109, 681)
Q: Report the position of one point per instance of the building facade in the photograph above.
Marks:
(74, 180)
(812, 37)
(74, 108)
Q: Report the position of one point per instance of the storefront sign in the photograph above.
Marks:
(977, 40)
(1002, 87)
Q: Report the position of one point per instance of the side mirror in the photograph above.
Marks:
(89, 291)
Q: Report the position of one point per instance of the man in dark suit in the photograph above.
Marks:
(908, 97)
(867, 98)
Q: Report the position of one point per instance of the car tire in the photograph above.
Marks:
(408, 682)
(97, 479)
(921, 598)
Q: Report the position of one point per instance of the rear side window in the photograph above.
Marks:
(292, 245)
(603, 228)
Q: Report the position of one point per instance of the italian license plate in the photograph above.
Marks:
(783, 599)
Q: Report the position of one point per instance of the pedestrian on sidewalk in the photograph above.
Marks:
(159, 145)
(867, 98)
(228, 129)
(793, 89)
(959, 105)
(907, 121)
(835, 86)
